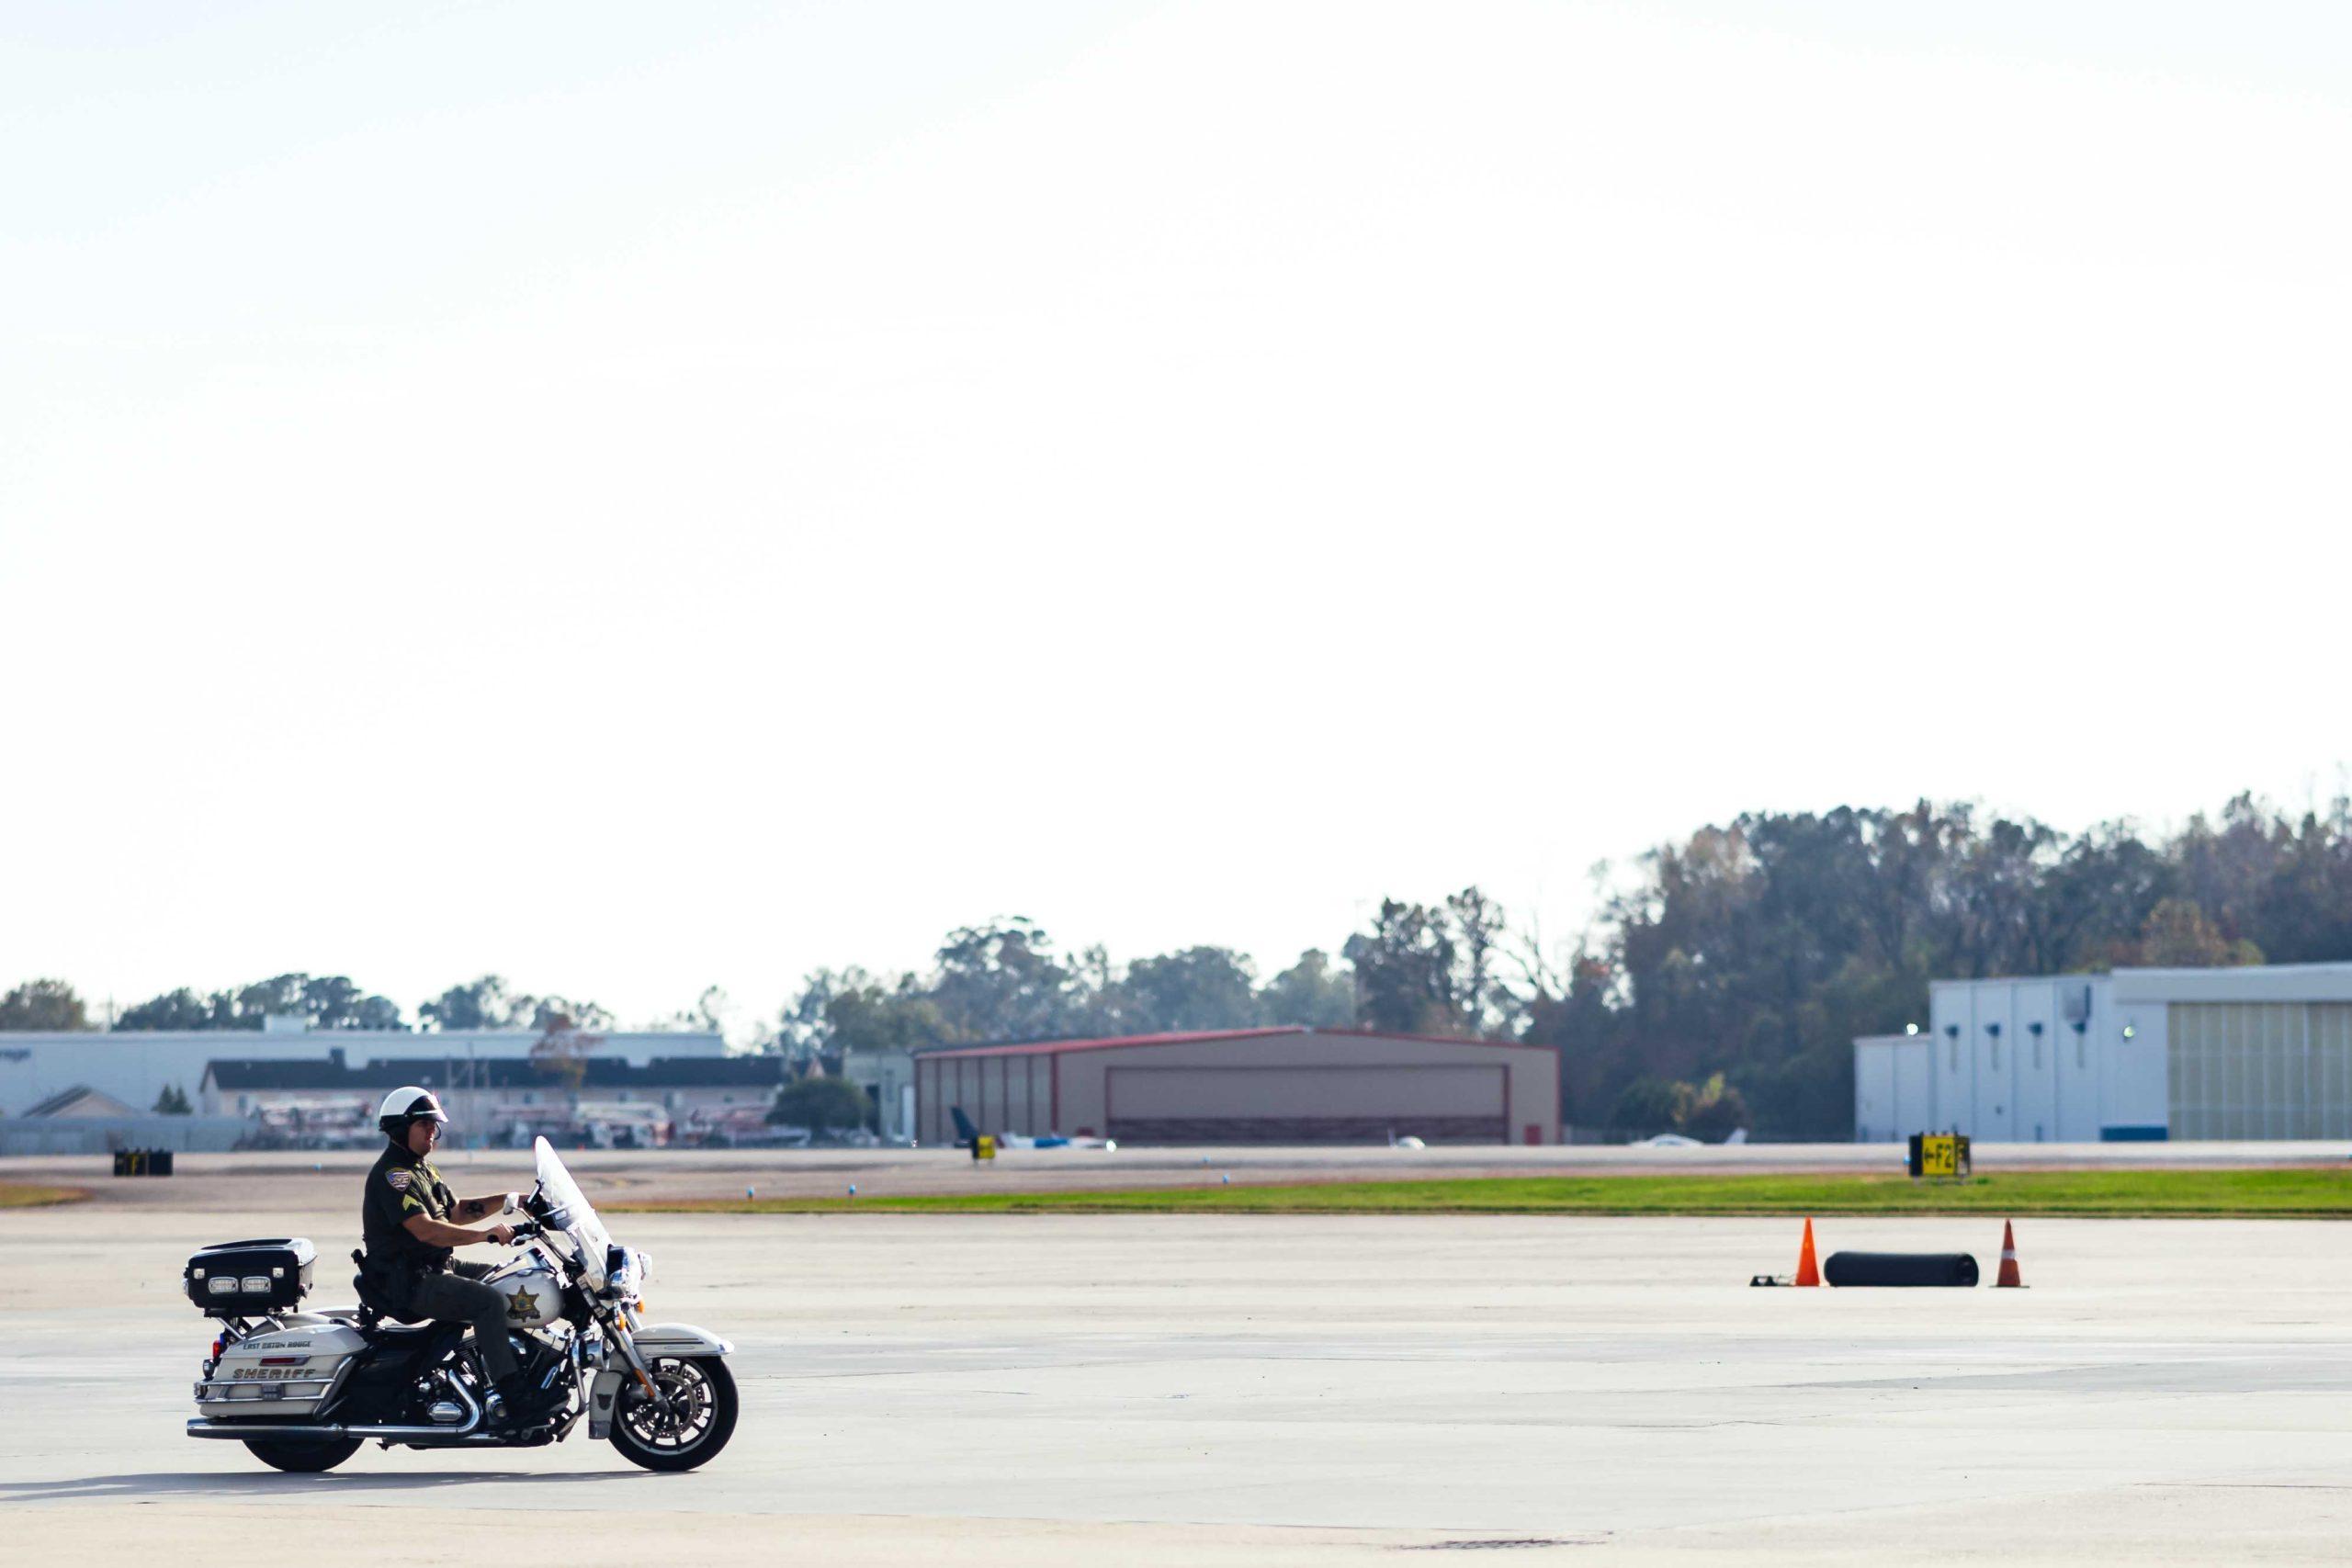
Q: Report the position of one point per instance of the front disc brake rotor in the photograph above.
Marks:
(676, 1415)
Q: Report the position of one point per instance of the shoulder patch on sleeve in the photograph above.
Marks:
(399, 1179)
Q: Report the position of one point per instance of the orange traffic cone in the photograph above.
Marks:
(1808, 1271)
(2009, 1275)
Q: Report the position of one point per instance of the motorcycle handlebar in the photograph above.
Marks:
(524, 1231)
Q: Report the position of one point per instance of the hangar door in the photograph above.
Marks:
(1448, 1103)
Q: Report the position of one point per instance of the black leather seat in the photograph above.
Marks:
(399, 1336)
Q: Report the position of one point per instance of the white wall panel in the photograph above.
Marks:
(1953, 1023)
(2035, 1071)
(1876, 1114)
(1994, 1039)
(2076, 1081)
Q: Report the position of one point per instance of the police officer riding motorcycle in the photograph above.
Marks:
(445, 1355)
(409, 1223)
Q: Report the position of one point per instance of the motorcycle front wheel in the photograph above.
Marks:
(304, 1459)
(699, 1420)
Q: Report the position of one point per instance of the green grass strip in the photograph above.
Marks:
(2296, 1193)
(20, 1195)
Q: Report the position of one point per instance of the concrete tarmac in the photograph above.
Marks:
(1274, 1389)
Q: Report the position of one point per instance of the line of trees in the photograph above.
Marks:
(1006, 980)
(1720, 984)
(320, 1001)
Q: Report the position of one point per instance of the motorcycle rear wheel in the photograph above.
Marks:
(705, 1389)
(304, 1459)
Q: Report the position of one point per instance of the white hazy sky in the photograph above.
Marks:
(640, 497)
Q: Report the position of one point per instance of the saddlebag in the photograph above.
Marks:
(251, 1279)
(281, 1375)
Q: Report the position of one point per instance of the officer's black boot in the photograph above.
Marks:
(517, 1407)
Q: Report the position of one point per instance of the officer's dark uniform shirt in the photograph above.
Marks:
(400, 1186)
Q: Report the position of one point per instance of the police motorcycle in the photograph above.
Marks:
(304, 1390)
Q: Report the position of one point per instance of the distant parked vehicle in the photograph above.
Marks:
(734, 1127)
(755, 1138)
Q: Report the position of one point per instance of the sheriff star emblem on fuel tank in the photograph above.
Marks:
(523, 1303)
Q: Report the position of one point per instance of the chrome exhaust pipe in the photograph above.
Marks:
(244, 1429)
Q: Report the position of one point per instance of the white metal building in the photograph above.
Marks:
(2264, 1052)
(134, 1065)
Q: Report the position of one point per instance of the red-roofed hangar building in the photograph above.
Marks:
(1247, 1085)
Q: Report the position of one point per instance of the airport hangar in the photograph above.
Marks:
(1292, 1085)
(2254, 1053)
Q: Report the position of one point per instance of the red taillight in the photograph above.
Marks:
(217, 1345)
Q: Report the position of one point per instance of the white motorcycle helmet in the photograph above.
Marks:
(405, 1105)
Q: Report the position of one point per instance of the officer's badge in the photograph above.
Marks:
(399, 1179)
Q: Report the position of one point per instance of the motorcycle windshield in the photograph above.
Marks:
(586, 1231)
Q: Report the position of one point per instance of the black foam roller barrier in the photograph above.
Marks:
(1900, 1269)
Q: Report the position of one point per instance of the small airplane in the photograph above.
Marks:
(967, 1135)
(1677, 1141)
